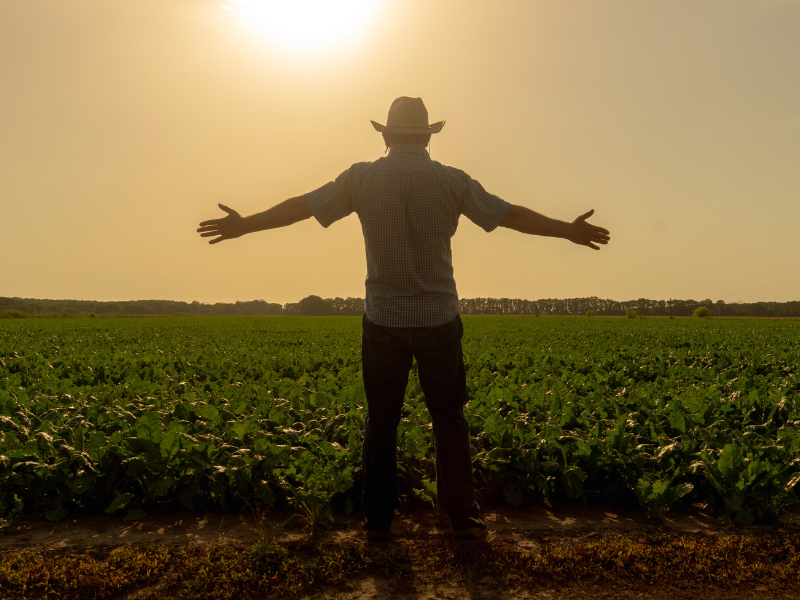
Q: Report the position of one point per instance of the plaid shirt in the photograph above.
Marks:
(409, 206)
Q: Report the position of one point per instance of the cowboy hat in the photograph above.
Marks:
(408, 116)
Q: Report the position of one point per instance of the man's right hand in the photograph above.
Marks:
(227, 228)
(235, 225)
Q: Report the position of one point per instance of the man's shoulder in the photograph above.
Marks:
(363, 164)
(457, 179)
(360, 168)
(452, 171)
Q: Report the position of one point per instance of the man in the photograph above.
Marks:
(409, 206)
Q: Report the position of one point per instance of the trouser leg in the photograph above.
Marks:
(386, 359)
(442, 375)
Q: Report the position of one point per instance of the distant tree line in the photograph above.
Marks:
(643, 307)
(314, 305)
(138, 307)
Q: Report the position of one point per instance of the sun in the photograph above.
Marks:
(306, 24)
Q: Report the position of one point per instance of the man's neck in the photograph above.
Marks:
(412, 148)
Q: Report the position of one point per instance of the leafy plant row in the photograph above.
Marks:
(123, 415)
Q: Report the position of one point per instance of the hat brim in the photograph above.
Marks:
(433, 128)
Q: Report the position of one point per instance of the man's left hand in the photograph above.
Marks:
(585, 234)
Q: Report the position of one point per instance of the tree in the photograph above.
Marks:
(701, 312)
(315, 306)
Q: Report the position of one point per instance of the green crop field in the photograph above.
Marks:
(122, 415)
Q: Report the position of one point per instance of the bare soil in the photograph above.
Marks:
(528, 529)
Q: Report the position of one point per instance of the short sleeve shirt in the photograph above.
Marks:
(409, 206)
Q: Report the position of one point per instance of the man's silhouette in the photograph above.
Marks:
(409, 206)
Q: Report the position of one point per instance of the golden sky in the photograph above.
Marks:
(123, 123)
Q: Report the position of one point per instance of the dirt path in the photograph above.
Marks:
(528, 529)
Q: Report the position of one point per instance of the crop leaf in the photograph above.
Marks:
(145, 448)
(10, 514)
(573, 479)
(82, 484)
(150, 428)
(677, 421)
(660, 495)
(265, 493)
(44, 443)
(170, 443)
(209, 412)
(290, 521)
(428, 493)
(119, 503)
(96, 446)
(55, 514)
(731, 464)
(499, 454)
(158, 486)
(240, 428)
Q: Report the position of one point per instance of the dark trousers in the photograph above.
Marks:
(386, 354)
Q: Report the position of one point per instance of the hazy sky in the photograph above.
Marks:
(123, 123)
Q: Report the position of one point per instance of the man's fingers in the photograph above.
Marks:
(230, 211)
(211, 228)
(588, 234)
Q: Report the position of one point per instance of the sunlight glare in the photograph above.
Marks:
(305, 24)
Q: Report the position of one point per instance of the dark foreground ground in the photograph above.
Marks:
(553, 552)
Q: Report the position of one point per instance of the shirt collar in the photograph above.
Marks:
(409, 149)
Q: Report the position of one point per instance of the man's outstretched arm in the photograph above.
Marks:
(523, 219)
(235, 225)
